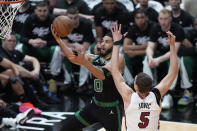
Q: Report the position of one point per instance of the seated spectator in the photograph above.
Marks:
(158, 49)
(163, 2)
(61, 7)
(8, 51)
(37, 38)
(127, 3)
(30, 73)
(80, 38)
(153, 4)
(23, 13)
(189, 63)
(109, 13)
(152, 13)
(11, 117)
(180, 16)
(135, 43)
(10, 75)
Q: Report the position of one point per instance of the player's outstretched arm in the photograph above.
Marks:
(78, 57)
(66, 50)
(167, 81)
(124, 90)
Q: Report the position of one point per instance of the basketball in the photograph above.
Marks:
(63, 25)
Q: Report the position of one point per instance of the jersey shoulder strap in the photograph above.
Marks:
(157, 95)
(106, 72)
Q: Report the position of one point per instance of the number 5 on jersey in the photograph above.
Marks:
(144, 120)
(98, 85)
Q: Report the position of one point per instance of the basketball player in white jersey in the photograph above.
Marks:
(143, 107)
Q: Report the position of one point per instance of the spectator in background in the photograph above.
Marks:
(23, 13)
(61, 7)
(163, 2)
(189, 63)
(180, 16)
(37, 38)
(110, 13)
(157, 6)
(135, 43)
(30, 72)
(152, 13)
(127, 3)
(80, 38)
(158, 49)
(9, 74)
(8, 51)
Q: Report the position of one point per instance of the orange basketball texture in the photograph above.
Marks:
(62, 25)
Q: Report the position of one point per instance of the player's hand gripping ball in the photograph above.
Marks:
(62, 25)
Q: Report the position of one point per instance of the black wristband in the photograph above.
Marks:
(119, 42)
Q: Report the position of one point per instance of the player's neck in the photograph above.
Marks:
(106, 57)
(143, 95)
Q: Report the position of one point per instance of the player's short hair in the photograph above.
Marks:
(144, 82)
(165, 11)
(140, 11)
(109, 34)
(72, 10)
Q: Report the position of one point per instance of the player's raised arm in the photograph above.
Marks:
(124, 90)
(67, 51)
(167, 81)
(78, 57)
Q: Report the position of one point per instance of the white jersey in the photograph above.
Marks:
(143, 114)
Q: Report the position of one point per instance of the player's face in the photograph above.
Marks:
(109, 5)
(195, 24)
(164, 21)
(75, 19)
(9, 44)
(175, 4)
(42, 12)
(106, 45)
(141, 19)
(143, 3)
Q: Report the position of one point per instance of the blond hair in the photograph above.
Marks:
(165, 11)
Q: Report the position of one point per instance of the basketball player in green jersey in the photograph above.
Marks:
(105, 107)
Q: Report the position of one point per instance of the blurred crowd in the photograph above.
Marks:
(34, 71)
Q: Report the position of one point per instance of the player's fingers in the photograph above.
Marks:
(120, 26)
(125, 34)
(111, 30)
(116, 27)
